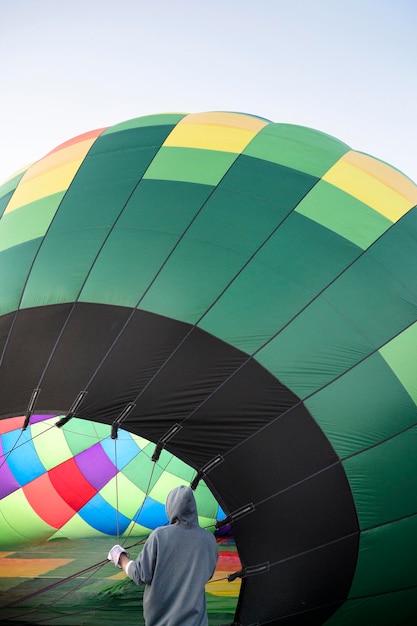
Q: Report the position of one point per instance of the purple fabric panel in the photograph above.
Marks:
(96, 466)
(8, 483)
(34, 419)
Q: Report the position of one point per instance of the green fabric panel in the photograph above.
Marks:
(343, 214)
(163, 206)
(235, 220)
(138, 470)
(77, 528)
(320, 338)
(161, 119)
(8, 189)
(280, 185)
(10, 185)
(103, 183)
(192, 165)
(61, 266)
(297, 147)
(148, 229)
(207, 506)
(15, 264)
(91, 431)
(4, 201)
(19, 522)
(363, 407)
(378, 292)
(392, 545)
(29, 221)
(166, 482)
(53, 448)
(293, 262)
(179, 468)
(9, 536)
(393, 609)
(125, 493)
(401, 356)
(191, 280)
(306, 252)
(383, 480)
(126, 266)
(250, 312)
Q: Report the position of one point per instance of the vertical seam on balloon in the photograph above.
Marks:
(387, 523)
(381, 593)
(320, 547)
(379, 443)
(117, 492)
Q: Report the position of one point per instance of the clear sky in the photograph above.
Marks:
(347, 68)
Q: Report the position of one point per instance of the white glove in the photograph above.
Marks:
(114, 554)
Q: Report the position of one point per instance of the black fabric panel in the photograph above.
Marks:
(309, 514)
(84, 343)
(199, 366)
(304, 591)
(27, 351)
(283, 453)
(113, 354)
(246, 402)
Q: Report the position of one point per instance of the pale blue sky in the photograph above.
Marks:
(346, 68)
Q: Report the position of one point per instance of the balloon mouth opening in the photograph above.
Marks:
(76, 482)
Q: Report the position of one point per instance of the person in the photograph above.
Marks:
(175, 564)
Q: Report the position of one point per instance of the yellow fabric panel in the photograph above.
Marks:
(219, 587)
(226, 132)
(375, 183)
(25, 568)
(391, 177)
(219, 118)
(58, 158)
(50, 175)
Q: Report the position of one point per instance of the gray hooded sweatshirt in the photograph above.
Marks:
(175, 564)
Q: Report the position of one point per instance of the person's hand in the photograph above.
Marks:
(114, 554)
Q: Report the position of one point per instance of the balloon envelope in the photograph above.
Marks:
(243, 294)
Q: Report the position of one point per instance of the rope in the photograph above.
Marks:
(6, 456)
(55, 584)
(61, 597)
(117, 492)
(139, 511)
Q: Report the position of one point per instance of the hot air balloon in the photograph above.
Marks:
(243, 294)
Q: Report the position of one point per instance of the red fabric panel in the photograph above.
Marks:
(46, 502)
(13, 423)
(89, 135)
(71, 485)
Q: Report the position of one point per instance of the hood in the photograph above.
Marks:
(181, 507)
